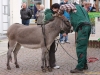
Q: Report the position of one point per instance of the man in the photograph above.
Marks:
(49, 16)
(83, 3)
(87, 6)
(90, 6)
(26, 14)
(63, 35)
(93, 9)
(31, 7)
(36, 7)
(81, 24)
(40, 15)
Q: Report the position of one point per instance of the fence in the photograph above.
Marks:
(94, 44)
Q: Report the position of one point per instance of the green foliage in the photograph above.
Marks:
(92, 16)
(99, 39)
(92, 21)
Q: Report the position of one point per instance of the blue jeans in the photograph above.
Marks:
(63, 38)
(25, 22)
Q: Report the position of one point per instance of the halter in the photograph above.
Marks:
(43, 30)
(65, 22)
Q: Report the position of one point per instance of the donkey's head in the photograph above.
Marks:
(65, 25)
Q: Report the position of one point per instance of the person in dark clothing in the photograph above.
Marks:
(26, 14)
(35, 11)
(90, 7)
(49, 16)
(93, 9)
(31, 7)
(36, 7)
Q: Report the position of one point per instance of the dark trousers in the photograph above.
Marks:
(25, 22)
(52, 58)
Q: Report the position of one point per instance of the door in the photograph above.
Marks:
(50, 3)
(6, 15)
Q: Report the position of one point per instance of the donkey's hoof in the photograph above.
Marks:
(43, 70)
(50, 69)
(42, 67)
(8, 68)
(17, 66)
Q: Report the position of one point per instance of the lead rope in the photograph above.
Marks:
(65, 50)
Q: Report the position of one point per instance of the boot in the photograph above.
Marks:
(85, 67)
(76, 71)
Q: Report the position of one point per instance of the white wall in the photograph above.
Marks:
(77, 1)
(15, 6)
(5, 15)
(97, 28)
(47, 4)
(92, 1)
(55, 1)
(1, 16)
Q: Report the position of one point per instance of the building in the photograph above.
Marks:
(10, 10)
(4, 16)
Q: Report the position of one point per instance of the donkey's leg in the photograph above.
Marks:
(18, 46)
(43, 59)
(11, 46)
(47, 61)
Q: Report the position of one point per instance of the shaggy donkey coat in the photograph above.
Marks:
(32, 37)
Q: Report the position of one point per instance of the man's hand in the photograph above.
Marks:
(64, 34)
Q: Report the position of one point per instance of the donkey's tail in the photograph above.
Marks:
(10, 57)
(8, 45)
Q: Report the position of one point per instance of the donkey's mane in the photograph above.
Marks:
(51, 20)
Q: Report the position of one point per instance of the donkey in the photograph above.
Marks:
(32, 37)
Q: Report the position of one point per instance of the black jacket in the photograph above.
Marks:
(25, 14)
(93, 9)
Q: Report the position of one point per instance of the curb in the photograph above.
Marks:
(3, 53)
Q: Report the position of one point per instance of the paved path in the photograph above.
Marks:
(30, 61)
(3, 46)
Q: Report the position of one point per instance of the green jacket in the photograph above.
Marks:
(78, 17)
(48, 15)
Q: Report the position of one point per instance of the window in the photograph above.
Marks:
(32, 1)
(69, 1)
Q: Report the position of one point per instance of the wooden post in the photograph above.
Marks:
(97, 5)
(50, 3)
